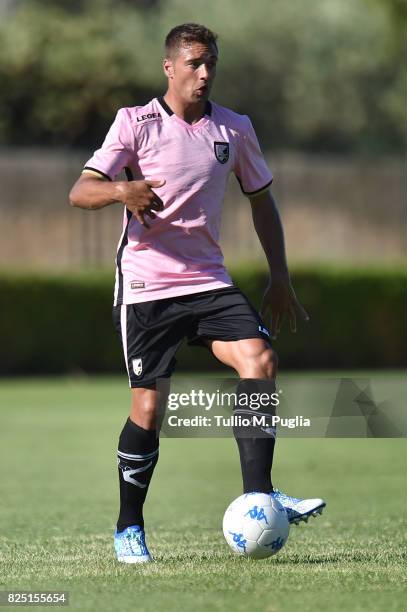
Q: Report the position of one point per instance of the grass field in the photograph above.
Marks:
(59, 506)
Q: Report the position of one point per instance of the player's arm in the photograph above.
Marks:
(93, 192)
(97, 188)
(279, 298)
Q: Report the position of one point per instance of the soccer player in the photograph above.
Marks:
(177, 152)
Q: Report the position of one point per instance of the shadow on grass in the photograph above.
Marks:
(336, 557)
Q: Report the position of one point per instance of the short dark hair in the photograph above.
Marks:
(187, 33)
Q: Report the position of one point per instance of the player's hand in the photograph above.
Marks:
(141, 200)
(279, 300)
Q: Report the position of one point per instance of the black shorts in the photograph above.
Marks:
(151, 332)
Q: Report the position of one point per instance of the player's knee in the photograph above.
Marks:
(268, 363)
(147, 410)
(144, 404)
(262, 364)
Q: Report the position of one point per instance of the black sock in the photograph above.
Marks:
(137, 456)
(255, 441)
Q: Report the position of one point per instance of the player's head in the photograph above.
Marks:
(190, 60)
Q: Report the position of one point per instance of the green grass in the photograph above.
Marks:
(59, 505)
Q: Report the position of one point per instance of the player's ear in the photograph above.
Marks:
(168, 67)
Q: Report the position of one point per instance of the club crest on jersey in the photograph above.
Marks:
(137, 366)
(221, 151)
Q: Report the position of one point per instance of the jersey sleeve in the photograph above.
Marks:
(117, 150)
(250, 167)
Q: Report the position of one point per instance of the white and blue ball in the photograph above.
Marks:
(256, 525)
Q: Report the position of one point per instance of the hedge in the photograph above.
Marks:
(62, 324)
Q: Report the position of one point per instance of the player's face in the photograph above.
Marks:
(192, 71)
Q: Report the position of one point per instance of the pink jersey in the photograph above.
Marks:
(179, 254)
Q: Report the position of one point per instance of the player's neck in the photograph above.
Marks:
(190, 113)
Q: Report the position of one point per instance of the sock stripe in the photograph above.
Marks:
(137, 457)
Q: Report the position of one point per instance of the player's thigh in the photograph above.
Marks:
(150, 334)
(250, 357)
(233, 329)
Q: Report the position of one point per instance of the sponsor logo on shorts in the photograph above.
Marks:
(137, 285)
(137, 366)
(221, 151)
(263, 330)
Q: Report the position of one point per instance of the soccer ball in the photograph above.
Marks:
(255, 525)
